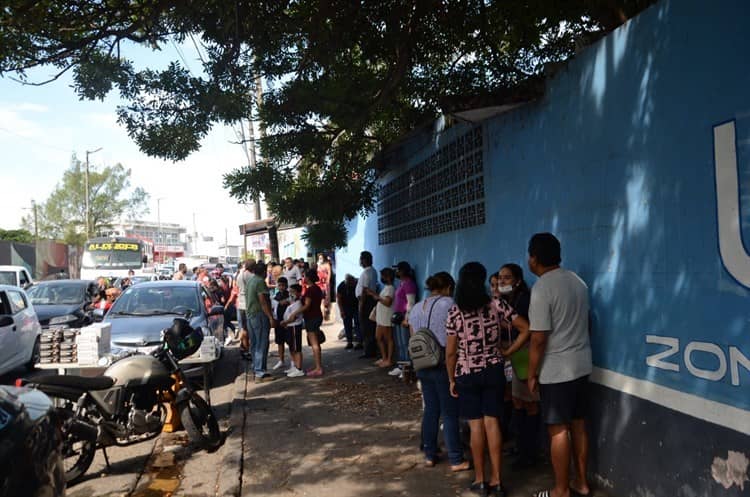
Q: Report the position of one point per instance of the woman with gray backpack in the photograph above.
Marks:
(427, 318)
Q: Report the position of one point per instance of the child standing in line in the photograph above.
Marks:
(293, 327)
(280, 303)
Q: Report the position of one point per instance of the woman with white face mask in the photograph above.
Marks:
(514, 290)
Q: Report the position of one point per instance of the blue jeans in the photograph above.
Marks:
(402, 343)
(259, 329)
(439, 403)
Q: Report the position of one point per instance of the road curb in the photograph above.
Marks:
(229, 482)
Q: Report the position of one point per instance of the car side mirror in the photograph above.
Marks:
(98, 315)
(6, 321)
(216, 310)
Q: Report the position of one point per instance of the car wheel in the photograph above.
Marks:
(35, 355)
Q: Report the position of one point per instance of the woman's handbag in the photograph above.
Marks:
(373, 315)
(397, 318)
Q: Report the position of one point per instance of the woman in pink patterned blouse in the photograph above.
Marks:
(475, 368)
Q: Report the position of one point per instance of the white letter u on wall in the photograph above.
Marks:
(733, 252)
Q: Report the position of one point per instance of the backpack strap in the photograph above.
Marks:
(429, 316)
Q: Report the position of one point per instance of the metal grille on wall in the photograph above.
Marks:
(445, 192)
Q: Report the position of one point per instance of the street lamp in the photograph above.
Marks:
(88, 225)
(33, 208)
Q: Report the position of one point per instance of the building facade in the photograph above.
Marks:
(168, 238)
(638, 158)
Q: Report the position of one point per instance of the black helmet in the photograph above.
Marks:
(182, 339)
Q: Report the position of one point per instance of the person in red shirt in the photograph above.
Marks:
(312, 297)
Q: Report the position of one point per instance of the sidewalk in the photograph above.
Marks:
(353, 432)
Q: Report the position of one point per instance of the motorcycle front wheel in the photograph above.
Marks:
(77, 451)
(200, 422)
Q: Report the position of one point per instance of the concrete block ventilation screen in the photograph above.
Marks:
(443, 193)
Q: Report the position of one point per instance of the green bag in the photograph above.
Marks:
(520, 362)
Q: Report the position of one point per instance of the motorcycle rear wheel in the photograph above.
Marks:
(200, 422)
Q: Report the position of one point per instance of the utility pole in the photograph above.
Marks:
(272, 231)
(86, 181)
(160, 236)
(36, 221)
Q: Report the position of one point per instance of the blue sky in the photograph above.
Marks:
(42, 127)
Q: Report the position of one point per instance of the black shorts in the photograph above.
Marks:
(279, 335)
(481, 394)
(564, 402)
(294, 338)
(313, 324)
(242, 318)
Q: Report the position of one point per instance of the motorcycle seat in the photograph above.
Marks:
(78, 382)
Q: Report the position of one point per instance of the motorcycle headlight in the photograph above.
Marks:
(62, 319)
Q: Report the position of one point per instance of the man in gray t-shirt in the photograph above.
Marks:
(244, 275)
(560, 359)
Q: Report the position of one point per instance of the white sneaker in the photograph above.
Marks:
(342, 334)
(290, 369)
(395, 371)
(278, 366)
(295, 373)
(401, 375)
(228, 340)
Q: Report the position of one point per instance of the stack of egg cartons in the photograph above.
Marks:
(68, 347)
(93, 343)
(49, 345)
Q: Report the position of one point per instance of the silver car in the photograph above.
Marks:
(19, 330)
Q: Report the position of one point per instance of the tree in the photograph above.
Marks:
(343, 79)
(63, 215)
(21, 236)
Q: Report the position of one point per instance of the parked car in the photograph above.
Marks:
(15, 275)
(30, 444)
(63, 302)
(142, 311)
(19, 330)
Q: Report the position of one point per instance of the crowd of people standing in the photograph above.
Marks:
(515, 358)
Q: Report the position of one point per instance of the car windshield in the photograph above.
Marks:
(57, 294)
(7, 278)
(150, 301)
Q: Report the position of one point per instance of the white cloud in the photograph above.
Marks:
(11, 122)
(29, 107)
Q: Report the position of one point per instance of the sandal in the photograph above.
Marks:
(464, 466)
(429, 463)
(576, 493)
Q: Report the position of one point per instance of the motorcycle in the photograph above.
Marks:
(130, 402)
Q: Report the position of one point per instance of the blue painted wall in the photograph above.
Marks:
(617, 159)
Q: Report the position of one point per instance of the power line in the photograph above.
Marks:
(182, 57)
(200, 55)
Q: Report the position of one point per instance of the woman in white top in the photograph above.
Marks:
(383, 318)
(293, 327)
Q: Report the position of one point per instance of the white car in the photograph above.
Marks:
(19, 330)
